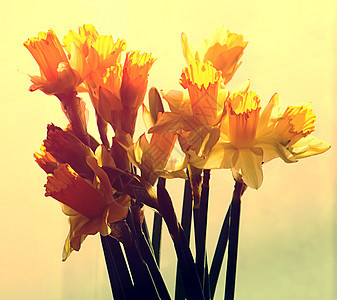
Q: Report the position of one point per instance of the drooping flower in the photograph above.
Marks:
(90, 207)
(58, 74)
(223, 48)
(249, 138)
(195, 116)
(65, 147)
(77, 181)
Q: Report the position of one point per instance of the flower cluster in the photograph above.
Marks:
(216, 128)
(223, 129)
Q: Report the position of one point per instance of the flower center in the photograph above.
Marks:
(244, 110)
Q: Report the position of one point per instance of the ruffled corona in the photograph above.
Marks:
(202, 82)
(296, 123)
(135, 77)
(57, 76)
(66, 186)
(244, 111)
(45, 160)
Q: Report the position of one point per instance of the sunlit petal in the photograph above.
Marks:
(249, 163)
(309, 146)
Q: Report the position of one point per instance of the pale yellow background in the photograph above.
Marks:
(287, 244)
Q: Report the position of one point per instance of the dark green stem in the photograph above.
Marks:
(120, 280)
(156, 233)
(186, 224)
(201, 227)
(219, 254)
(149, 258)
(144, 284)
(190, 276)
(233, 240)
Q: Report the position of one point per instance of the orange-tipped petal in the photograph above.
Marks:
(66, 186)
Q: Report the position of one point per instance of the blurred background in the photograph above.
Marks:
(287, 243)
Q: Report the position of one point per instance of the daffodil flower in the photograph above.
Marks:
(152, 158)
(223, 48)
(65, 147)
(121, 91)
(294, 130)
(58, 74)
(250, 138)
(99, 51)
(90, 207)
(78, 182)
(195, 116)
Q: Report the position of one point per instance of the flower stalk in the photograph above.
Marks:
(239, 189)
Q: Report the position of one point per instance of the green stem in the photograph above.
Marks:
(233, 240)
(156, 236)
(186, 219)
(144, 284)
(149, 258)
(189, 273)
(219, 254)
(156, 233)
(201, 227)
(72, 108)
(120, 280)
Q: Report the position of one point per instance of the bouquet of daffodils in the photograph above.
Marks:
(104, 185)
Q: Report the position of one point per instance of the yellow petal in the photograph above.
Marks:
(178, 101)
(273, 149)
(220, 157)
(147, 117)
(188, 52)
(118, 210)
(309, 146)
(268, 117)
(249, 164)
(171, 122)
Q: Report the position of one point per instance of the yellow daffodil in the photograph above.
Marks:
(152, 158)
(120, 92)
(99, 51)
(77, 180)
(58, 74)
(195, 116)
(90, 209)
(250, 138)
(294, 130)
(223, 48)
